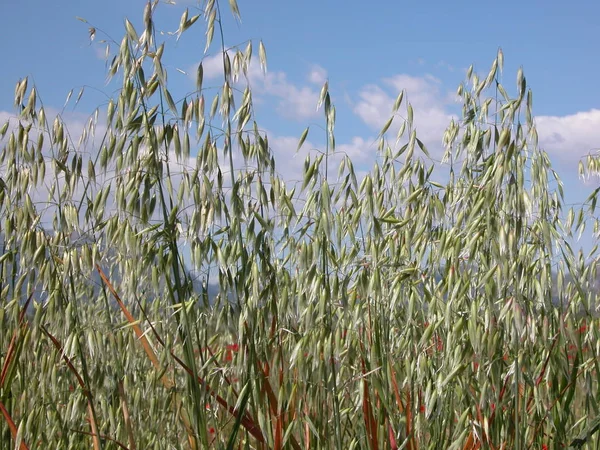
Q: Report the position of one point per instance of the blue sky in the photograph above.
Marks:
(368, 51)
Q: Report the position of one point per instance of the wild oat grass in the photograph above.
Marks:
(428, 305)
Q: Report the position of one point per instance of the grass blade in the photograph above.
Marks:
(12, 426)
(86, 391)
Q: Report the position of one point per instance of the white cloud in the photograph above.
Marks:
(569, 138)
(5, 116)
(445, 65)
(294, 102)
(432, 111)
(212, 66)
(289, 163)
(359, 150)
(566, 138)
(374, 106)
(317, 75)
(102, 52)
(422, 91)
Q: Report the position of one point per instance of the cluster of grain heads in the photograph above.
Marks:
(423, 305)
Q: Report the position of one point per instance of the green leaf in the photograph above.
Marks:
(240, 411)
(235, 10)
(170, 102)
(386, 126)
(199, 77)
(587, 433)
(302, 139)
(422, 147)
(262, 56)
(398, 101)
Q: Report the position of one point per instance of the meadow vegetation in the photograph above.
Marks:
(427, 305)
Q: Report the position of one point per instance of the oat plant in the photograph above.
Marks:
(436, 302)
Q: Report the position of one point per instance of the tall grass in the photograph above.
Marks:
(427, 305)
